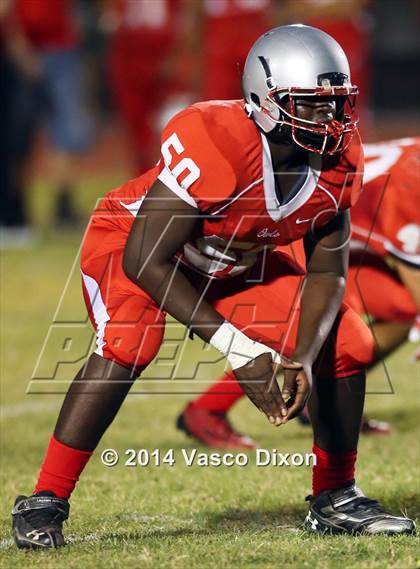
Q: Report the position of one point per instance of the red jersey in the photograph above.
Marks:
(215, 159)
(146, 26)
(48, 25)
(224, 16)
(386, 219)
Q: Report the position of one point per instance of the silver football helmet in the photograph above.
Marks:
(300, 61)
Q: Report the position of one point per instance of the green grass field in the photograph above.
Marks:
(182, 517)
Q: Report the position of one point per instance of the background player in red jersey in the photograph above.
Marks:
(196, 237)
(162, 48)
(229, 28)
(384, 277)
(385, 257)
(151, 53)
(383, 280)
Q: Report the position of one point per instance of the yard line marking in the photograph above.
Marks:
(26, 408)
(8, 542)
(34, 407)
(91, 537)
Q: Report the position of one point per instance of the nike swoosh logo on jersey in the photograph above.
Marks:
(304, 220)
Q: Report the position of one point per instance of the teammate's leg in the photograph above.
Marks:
(205, 418)
(374, 288)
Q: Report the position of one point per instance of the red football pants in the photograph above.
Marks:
(376, 289)
(265, 306)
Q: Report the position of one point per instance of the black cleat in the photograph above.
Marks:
(38, 520)
(348, 510)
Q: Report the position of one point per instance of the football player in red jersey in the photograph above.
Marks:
(230, 27)
(386, 226)
(196, 237)
(383, 281)
(149, 48)
(384, 276)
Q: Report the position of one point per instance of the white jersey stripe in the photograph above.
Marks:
(99, 311)
(169, 180)
(251, 185)
(274, 209)
(133, 207)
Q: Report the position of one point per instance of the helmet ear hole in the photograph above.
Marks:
(255, 99)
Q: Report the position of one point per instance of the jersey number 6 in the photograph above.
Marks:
(186, 165)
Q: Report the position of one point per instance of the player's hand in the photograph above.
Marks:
(258, 380)
(297, 385)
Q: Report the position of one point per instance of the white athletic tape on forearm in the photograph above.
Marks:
(237, 347)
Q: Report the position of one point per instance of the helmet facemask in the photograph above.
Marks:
(329, 137)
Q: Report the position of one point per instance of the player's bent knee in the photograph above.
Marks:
(133, 335)
(133, 348)
(355, 346)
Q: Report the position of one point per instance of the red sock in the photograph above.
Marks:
(61, 468)
(332, 470)
(222, 395)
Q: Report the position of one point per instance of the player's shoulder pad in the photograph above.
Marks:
(194, 164)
